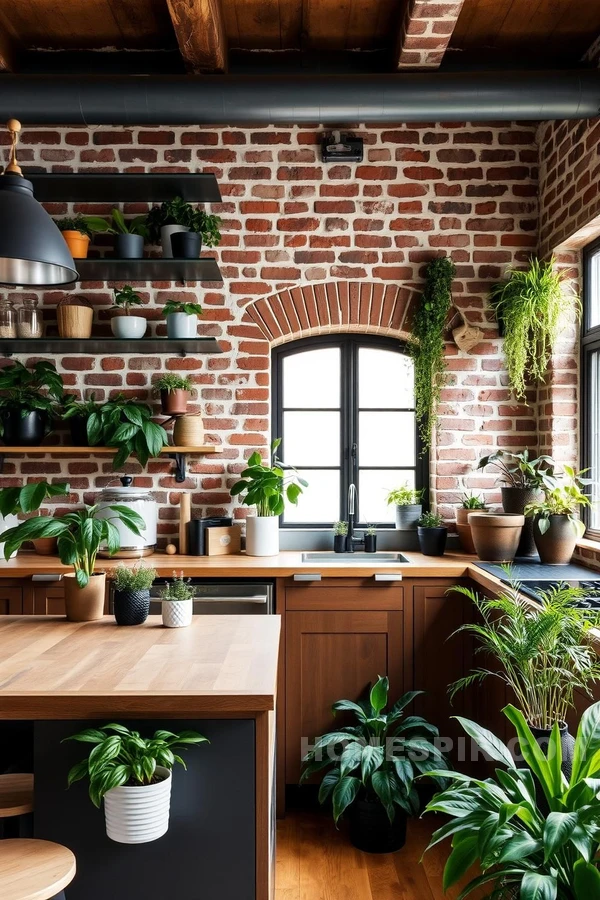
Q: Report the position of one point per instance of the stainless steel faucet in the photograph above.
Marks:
(351, 540)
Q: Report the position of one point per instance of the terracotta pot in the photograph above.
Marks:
(557, 545)
(514, 500)
(188, 431)
(496, 537)
(74, 321)
(174, 403)
(85, 604)
(464, 529)
(45, 546)
(77, 243)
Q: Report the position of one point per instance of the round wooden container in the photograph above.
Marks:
(188, 431)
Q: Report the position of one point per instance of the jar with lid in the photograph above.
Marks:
(29, 319)
(8, 319)
(141, 501)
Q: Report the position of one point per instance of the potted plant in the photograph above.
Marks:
(15, 501)
(127, 425)
(469, 503)
(27, 401)
(371, 539)
(266, 487)
(526, 845)
(129, 235)
(131, 599)
(126, 326)
(369, 768)
(78, 230)
(133, 775)
(340, 533)
(182, 319)
(530, 305)
(432, 534)
(75, 318)
(178, 602)
(521, 479)
(78, 413)
(174, 391)
(408, 506)
(496, 536)
(556, 526)
(175, 217)
(80, 534)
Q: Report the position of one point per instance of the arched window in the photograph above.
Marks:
(344, 408)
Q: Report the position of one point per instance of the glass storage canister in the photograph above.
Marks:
(141, 501)
(29, 319)
(8, 319)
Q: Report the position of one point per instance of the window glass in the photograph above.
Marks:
(594, 435)
(320, 502)
(312, 438)
(374, 486)
(311, 380)
(386, 438)
(386, 379)
(593, 291)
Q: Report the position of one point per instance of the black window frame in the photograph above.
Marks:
(589, 343)
(349, 345)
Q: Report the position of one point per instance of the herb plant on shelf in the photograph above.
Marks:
(432, 534)
(340, 532)
(126, 326)
(556, 525)
(28, 396)
(182, 319)
(174, 391)
(78, 231)
(408, 503)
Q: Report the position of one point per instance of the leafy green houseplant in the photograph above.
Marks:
(131, 598)
(78, 413)
(178, 601)
(127, 425)
(432, 534)
(182, 319)
(469, 503)
(556, 526)
(174, 391)
(78, 231)
(544, 850)
(369, 768)
(15, 501)
(531, 304)
(408, 503)
(126, 326)
(427, 346)
(28, 395)
(180, 213)
(132, 774)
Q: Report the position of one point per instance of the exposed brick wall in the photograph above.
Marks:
(426, 31)
(289, 223)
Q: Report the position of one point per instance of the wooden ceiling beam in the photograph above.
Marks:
(427, 27)
(200, 34)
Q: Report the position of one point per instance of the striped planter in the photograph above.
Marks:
(139, 814)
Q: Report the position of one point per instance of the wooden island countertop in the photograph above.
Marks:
(219, 665)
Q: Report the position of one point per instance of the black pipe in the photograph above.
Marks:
(337, 99)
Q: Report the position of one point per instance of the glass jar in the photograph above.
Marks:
(8, 319)
(29, 319)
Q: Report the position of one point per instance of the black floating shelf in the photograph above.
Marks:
(159, 269)
(103, 188)
(110, 346)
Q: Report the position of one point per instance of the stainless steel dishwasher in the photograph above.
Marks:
(218, 597)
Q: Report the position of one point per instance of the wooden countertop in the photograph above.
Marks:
(54, 669)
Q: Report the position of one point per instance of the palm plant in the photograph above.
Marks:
(544, 652)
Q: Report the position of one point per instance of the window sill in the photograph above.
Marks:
(589, 544)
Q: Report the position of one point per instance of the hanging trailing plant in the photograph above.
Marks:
(427, 349)
(530, 304)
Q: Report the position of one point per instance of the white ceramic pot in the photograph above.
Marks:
(177, 613)
(138, 814)
(6, 522)
(262, 535)
(165, 238)
(180, 325)
(129, 327)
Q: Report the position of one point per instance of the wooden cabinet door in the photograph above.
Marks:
(333, 656)
(11, 601)
(44, 598)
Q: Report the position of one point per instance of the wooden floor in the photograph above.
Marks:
(316, 862)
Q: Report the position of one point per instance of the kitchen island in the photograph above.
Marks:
(218, 677)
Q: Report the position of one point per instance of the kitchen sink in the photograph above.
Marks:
(375, 559)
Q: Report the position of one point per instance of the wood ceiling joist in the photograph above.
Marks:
(200, 34)
(425, 33)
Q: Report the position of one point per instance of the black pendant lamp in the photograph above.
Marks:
(33, 252)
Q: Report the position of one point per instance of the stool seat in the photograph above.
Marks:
(34, 870)
(16, 794)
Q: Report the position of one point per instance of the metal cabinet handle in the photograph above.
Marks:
(46, 578)
(307, 576)
(388, 576)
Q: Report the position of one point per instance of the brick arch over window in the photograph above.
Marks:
(333, 306)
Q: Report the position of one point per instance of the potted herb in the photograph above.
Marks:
(174, 391)
(556, 526)
(78, 413)
(133, 775)
(432, 534)
(175, 217)
(178, 602)
(27, 402)
(127, 425)
(533, 832)
(126, 326)
(408, 506)
(131, 599)
(129, 235)
(340, 533)
(266, 487)
(15, 501)
(80, 534)
(469, 503)
(78, 230)
(371, 539)
(182, 319)
(369, 768)
(530, 305)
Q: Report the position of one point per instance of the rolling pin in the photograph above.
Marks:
(185, 514)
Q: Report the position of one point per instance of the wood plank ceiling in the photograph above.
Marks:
(211, 35)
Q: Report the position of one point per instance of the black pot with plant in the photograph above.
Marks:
(131, 598)
(179, 214)
(371, 539)
(129, 235)
(28, 397)
(77, 413)
(186, 244)
(432, 534)
(340, 533)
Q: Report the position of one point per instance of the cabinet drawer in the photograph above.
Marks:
(345, 596)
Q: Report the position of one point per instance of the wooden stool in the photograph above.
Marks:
(16, 799)
(34, 870)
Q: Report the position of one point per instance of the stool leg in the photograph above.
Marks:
(60, 896)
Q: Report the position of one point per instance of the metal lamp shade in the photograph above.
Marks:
(33, 252)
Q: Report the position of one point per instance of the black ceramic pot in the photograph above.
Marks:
(78, 429)
(567, 745)
(372, 831)
(186, 244)
(129, 246)
(432, 541)
(131, 607)
(514, 500)
(23, 431)
(370, 543)
(339, 543)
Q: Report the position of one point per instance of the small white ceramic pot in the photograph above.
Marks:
(165, 238)
(177, 613)
(262, 535)
(139, 814)
(129, 327)
(181, 326)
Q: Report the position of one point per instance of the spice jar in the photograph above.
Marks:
(8, 319)
(29, 319)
